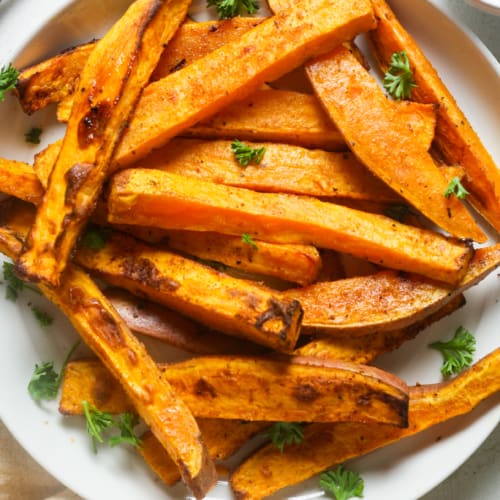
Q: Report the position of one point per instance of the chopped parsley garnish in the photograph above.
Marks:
(15, 285)
(457, 352)
(398, 79)
(285, 433)
(43, 317)
(8, 79)
(33, 135)
(45, 382)
(126, 423)
(99, 421)
(227, 9)
(455, 187)
(95, 237)
(245, 155)
(342, 484)
(398, 211)
(247, 238)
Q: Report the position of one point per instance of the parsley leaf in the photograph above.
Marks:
(45, 381)
(398, 79)
(247, 238)
(97, 422)
(126, 423)
(95, 237)
(455, 187)
(43, 318)
(231, 8)
(14, 284)
(8, 79)
(398, 211)
(283, 433)
(457, 352)
(33, 135)
(244, 154)
(342, 483)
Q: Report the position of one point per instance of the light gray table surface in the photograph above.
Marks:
(479, 477)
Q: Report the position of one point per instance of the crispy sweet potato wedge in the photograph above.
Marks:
(19, 179)
(105, 99)
(222, 437)
(366, 117)
(455, 138)
(260, 117)
(154, 320)
(312, 27)
(133, 370)
(233, 306)
(284, 168)
(54, 79)
(326, 445)
(366, 348)
(292, 263)
(292, 390)
(155, 198)
(385, 300)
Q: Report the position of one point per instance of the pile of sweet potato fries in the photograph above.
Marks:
(286, 277)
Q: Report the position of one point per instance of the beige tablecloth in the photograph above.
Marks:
(21, 478)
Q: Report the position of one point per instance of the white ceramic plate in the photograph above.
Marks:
(490, 6)
(30, 30)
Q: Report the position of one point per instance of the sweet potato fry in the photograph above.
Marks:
(51, 80)
(455, 138)
(54, 79)
(154, 320)
(222, 437)
(365, 116)
(366, 348)
(19, 179)
(312, 27)
(284, 168)
(293, 390)
(326, 445)
(261, 117)
(105, 99)
(292, 263)
(133, 369)
(233, 306)
(155, 198)
(385, 300)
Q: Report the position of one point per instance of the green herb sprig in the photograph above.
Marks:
(285, 433)
(457, 352)
(247, 238)
(95, 237)
(8, 79)
(456, 188)
(15, 285)
(227, 9)
(342, 484)
(398, 79)
(98, 422)
(33, 135)
(45, 382)
(245, 155)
